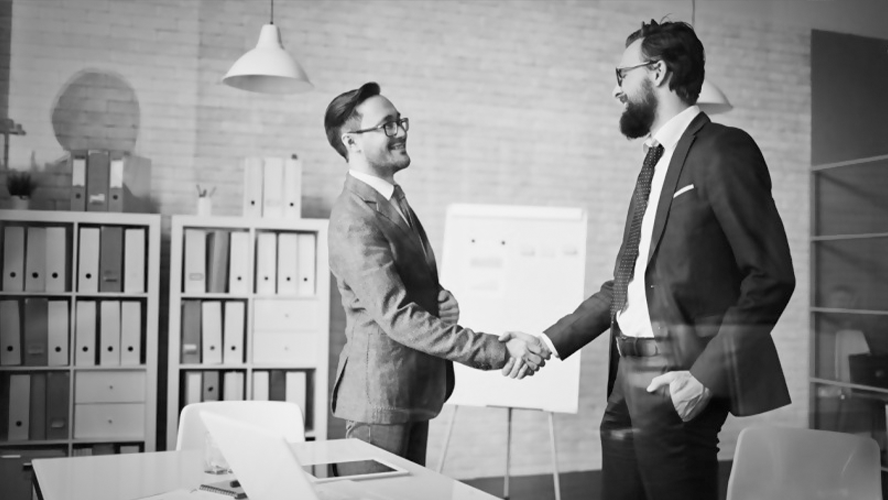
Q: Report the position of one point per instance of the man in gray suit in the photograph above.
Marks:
(396, 368)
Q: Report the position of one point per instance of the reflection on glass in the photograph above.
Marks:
(859, 265)
(851, 199)
(854, 411)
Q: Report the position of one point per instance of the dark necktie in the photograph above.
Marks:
(401, 200)
(630, 253)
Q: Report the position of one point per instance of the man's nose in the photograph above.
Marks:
(618, 91)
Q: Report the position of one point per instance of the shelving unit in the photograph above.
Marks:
(849, 302)
(249, 297)
(55, 398)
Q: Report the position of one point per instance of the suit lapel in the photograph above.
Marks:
(675, 167)
(386, 210)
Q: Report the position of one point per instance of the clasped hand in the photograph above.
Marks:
(527, 354)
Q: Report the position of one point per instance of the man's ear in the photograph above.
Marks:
(661, 74)
(348, 140)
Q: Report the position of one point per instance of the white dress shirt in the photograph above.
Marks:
(386, 189)
(635, 319)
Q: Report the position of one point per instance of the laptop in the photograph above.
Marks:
(262, 462)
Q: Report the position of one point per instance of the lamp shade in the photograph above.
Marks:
(268, 68)
(712, 100)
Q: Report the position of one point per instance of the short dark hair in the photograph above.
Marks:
(676, 44)
(341, 110)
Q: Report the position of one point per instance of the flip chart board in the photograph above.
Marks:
(516, 268)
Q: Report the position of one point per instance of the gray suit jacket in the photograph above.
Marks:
(396, 365)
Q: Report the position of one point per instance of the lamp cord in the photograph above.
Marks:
(693, 13)
(272, 11)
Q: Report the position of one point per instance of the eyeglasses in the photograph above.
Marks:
(390, 128)
(621, 72)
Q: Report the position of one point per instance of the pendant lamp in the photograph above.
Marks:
(712, 100)
(268, 68)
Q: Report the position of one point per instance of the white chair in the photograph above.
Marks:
(783, 463)
(277, 416)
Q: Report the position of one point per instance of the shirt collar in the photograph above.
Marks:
(381, 185)
(671, 131)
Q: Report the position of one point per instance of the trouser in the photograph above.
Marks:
(648, 453)
(406, 440)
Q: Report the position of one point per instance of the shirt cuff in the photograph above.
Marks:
(549, 345)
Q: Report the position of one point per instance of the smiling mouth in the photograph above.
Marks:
(398, 146)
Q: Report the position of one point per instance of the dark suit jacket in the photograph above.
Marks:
(396, 365)
(719, 272)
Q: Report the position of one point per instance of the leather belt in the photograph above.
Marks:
(636, 347)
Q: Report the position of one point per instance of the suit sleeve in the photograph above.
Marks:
(363, 259)
(738, 188)
(584, 325)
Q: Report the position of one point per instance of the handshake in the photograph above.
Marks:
(527, 354)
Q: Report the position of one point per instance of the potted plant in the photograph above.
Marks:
(20, 186)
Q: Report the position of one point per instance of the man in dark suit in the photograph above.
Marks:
(396, 368)
(702, 275)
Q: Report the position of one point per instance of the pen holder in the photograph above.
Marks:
(205, 206)
(214, 461)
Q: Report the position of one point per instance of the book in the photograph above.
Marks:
(230, 488)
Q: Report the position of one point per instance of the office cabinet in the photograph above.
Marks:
(249, 314)
(74, 379)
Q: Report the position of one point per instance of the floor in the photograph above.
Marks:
(574, 485)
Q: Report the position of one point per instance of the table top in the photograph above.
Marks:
(139, 475)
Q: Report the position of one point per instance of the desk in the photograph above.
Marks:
(131, 476)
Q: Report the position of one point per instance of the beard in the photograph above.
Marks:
(390, 159)
(638, 117)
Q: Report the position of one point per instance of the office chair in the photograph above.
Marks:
(278, 416)
(782, 463)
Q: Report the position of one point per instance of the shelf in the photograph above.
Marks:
(848, 385)
(848, 237)
(20, 368)
(848, 163)
(837, 310)
(111, 295)
(37, 294)
(42, 442)
(214, 296)
(194, 366)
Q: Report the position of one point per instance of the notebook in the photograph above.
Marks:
(262, 462)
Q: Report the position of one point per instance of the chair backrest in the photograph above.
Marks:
(848, 343)
(278, 416)
(800, 464)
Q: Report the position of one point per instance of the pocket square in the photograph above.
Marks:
(682, 191)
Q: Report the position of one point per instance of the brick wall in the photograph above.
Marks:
(510, 103)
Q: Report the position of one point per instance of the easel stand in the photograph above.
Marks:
(509, 449)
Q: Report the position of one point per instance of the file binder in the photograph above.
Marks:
(35, 262)
(211, 332)
(88, 260)
(195, 268)
(293, 188)
(97, 181)
(193, 387)
(57, 405)
(78, 180)
(85, 334)
(307, 269)
(260, 386)
(240, 264)
(233, 386)
(37, 413)
(287, 263)
(57, 332)
(109, 355)
(217, 267)
(253, 187)
(16, 472)
(115, 184)
(111, 259)
(210, 386)
(13, 259)
(19, 419)
(277, 386)
(233, 338)
(56, 259)
(130, 333)
(134, 260)
(36, 332)
(273, 188)
(190, 332)
(10, 333)
(296, 390)
(266, 260)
